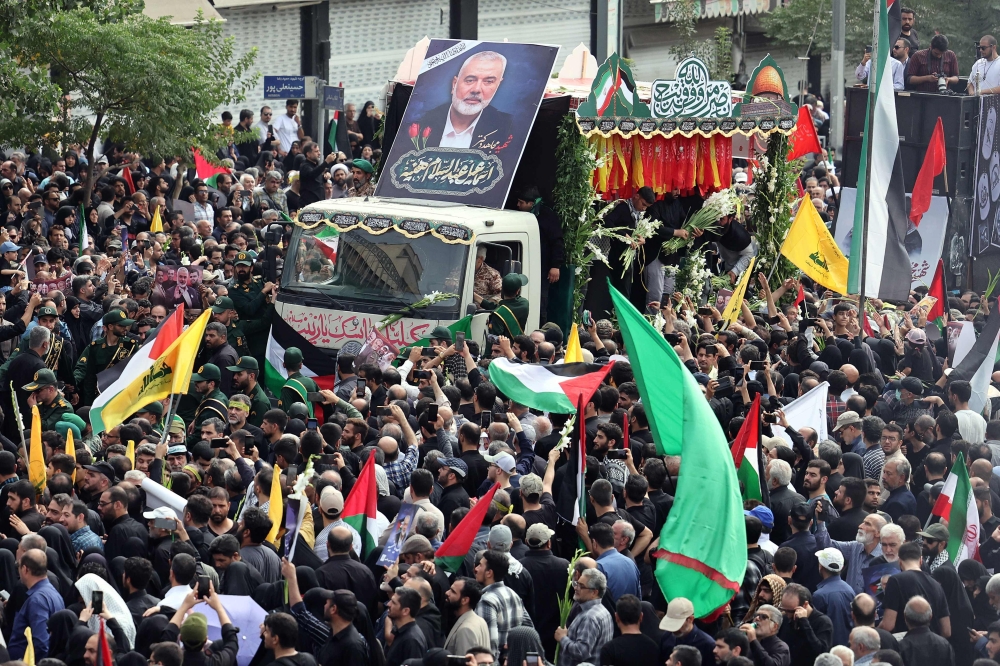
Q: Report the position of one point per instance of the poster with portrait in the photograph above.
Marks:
(467, 122)
(377, 350)
(923, 243)
(45, 284)
(175, 285)
(400, 530)
(986, 207)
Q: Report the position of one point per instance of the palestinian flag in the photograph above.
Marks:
(963, 519)
(746, 452)
(936, 315)
(886, 268)
(547, 388)
(613, 82)
(451, 553)
(331, 136)
(206, 171)
(976, 366)
(316, 364)
(702, 554)
(361, 507)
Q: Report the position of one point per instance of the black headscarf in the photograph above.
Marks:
(853, 465)
(62, 559)
(61, 625)
(148, 633)
(367, 124)
(77, 644)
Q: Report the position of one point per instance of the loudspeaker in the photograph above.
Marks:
(916, 115)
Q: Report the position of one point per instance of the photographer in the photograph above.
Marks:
(933, 69)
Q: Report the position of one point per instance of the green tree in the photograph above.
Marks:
(89, 69)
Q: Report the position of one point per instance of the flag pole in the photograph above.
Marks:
(168, 420)
(872, 93)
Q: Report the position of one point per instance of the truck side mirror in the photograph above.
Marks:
(471, 309)
(511, 266)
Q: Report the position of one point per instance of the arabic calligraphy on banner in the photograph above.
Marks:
(691, 94)
(448, 171)
(332, 329)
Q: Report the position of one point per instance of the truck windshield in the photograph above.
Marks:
(388, 268)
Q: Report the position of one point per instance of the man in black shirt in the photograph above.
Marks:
(632, 647)
(408, 641)
(451, 476)
(912, 581)
(336, 641)
(731, 643)
(548, 575)
(849, 501)
(805, 630)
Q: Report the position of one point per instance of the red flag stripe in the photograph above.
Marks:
(748, 432)
(937, 291)
(803, 140)
(698, 567)
(171, 329)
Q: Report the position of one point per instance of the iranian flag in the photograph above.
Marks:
(877, 251)
(611, 83)
(315, 363)
(451, 553)
(936, 315)
(702, 554)
(963, 519)
(361, 507)
(548, 388)
(327, 241)
(747, 455)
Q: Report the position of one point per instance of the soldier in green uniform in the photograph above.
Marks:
(224, 312)
(214, 402)
(103, 353)
(153, 412)
(245, 374)
(249, 296)
(297, 387)
(45, 393)
(510, 314)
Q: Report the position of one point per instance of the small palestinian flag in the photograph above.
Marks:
(361, 507)
(452, 552)
(747, 455)
(936, 314)
(548, 388)
(315, 363)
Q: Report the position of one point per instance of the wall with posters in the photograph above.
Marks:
(924, 244)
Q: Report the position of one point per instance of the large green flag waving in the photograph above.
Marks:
(702, 555)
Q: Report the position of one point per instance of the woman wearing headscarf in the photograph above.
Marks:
(853, 465)
(62, 559)
(522, 640)
(974, 577)
(115, 610)
(73, 165)
(769, 591)
(72, 644)
(67, 217)
(368, 121)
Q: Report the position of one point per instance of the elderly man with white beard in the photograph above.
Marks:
(858, 554)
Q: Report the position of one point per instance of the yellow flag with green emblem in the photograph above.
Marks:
(732, 311)
(36, 454)
(274, 506)
(810, 246)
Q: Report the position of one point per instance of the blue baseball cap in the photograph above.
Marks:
(763, 514)
(9, 247)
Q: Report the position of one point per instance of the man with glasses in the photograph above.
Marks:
(805, 630)
(765, 646)
(50, 201)
(863, 70)
(984, 79)
(591, 628)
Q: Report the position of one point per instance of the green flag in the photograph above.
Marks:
(463, 325)
(702, 555)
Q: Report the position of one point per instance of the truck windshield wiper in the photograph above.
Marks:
(337, 304)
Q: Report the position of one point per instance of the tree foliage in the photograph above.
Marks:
(73, 71)
(963, 21)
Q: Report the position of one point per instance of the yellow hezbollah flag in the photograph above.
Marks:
(71, 449)
(36, 454)
(29, 652)
(156, 226)
(573, 353)
(171, 373)
(812, 249)
(130, 452)
(732, 311)
(274, 507)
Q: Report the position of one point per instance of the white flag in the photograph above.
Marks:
(807, 411)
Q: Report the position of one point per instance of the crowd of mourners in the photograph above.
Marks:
(847, 562)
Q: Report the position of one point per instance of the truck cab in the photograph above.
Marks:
(351, 262)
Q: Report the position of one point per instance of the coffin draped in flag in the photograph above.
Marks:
(545, 387)
(702, 555)
(886, 265)
(316, 364)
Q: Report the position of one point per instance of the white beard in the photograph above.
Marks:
(893, 558)
(864, 538)
(465, 108)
